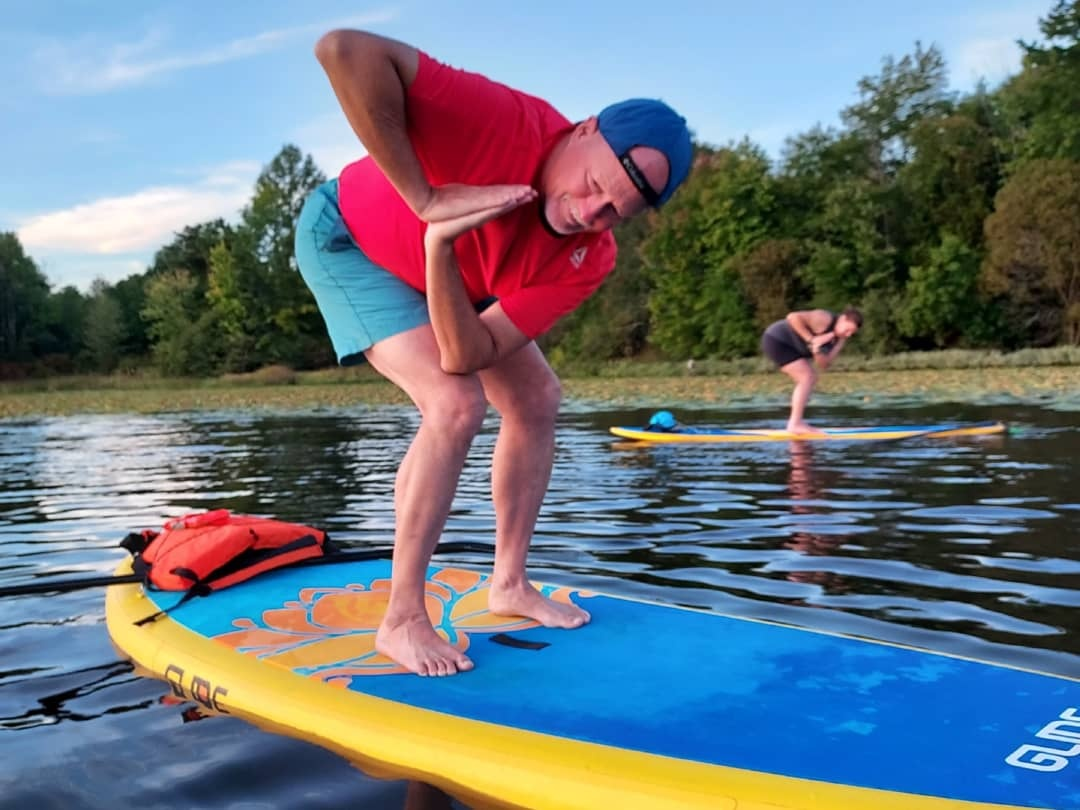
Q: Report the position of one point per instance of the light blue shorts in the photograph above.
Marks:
(360, 302)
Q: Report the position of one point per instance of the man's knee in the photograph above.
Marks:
(458, 410)
(538, 403)
(548, 396)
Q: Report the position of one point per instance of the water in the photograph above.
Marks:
(967, 546)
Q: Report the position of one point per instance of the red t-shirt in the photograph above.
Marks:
(466, 128)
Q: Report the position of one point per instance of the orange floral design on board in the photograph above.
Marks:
(329, 633)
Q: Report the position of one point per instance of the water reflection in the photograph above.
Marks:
(71, 696)
(971, 548)
(808, 489)
(418, 795)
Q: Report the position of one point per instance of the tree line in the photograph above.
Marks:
(950, 220)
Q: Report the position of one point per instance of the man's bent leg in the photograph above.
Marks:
(452, 409)
(526, 393)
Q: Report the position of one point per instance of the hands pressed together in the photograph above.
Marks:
(454, 209)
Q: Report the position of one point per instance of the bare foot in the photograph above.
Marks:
(522, 599)
(413, 643)
(801, 427)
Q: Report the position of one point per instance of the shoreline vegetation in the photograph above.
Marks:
(979, 377)
(947, 217)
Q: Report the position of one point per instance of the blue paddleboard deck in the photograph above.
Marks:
(681, 684)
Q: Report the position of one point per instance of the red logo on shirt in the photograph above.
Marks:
(578, 256)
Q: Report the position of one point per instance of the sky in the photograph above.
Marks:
(124, 121)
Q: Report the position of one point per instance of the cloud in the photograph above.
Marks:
(987, 48)
(990, 59)
(88, 66)
(143, 220)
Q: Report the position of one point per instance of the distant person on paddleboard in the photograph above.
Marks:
(800, 341)
(480, 217)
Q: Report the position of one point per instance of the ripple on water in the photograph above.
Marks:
(968, 548)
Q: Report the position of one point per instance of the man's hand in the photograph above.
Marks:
(455, 209)
(466, 342)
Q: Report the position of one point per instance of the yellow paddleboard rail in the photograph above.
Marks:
(764, 435)
(483, 764)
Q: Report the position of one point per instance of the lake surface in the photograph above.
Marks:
(966, 546)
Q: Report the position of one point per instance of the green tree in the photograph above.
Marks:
(130, 296)
(1043, 100)
(893, 103)
(1033, 250)
(769, 274)
(942, 302)
(954, 172)
(104, 328)
(180, 272)
(280, 192)
(851, 254)
(24, 296)
(811, 165)
(838, 192)
(190, 250)
(66, 327)
(182, 329)
(697, 304)
(232, 293)
(281, 313)
(729, 331)
(614, 322)
(866, 215)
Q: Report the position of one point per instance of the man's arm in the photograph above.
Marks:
(467, 342)
(370, 76)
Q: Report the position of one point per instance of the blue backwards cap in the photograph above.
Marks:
(648, 122)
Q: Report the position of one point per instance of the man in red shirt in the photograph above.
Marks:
(480, 216)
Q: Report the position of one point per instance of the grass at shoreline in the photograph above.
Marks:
(1044, 378)
(978, 386)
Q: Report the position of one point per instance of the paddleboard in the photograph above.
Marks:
(687, 435)
(648, 706)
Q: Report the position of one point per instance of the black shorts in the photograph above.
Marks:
(780, 351)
